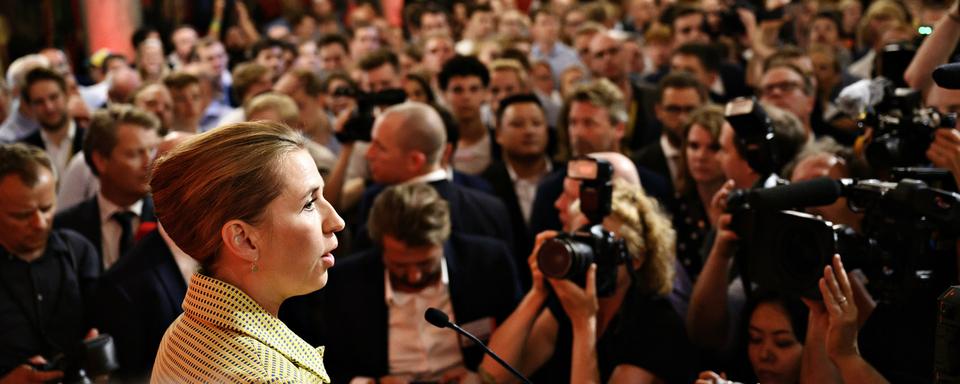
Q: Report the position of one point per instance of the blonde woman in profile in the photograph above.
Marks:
(245, 201)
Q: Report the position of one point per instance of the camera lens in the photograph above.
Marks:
(564, 258)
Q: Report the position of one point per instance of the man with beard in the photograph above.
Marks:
(46, 96)
(47, 275)
(375, 301)
(119, 150)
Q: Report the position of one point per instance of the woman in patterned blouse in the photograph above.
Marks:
(700, 178)
(245, 200)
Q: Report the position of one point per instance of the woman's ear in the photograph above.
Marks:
(239, 239)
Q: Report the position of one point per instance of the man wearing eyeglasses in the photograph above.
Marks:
(786, 86)
(678, 94)
(608, 60)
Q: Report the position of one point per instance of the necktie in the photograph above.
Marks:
(125, 218)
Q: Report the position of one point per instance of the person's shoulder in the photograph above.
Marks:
(468, 241)
(480, 197)
(146, 256)
(646, 151)
(480, 250)
(72, 241)
(228, 354)
(78, 212)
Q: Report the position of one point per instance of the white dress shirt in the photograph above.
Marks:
(474, 158)
(60, 152)
(526, 188)
(435, 175)
(110, 230)
(416, 348)
(673, 157)
(77, 184)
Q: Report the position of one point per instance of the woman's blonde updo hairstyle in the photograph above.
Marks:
(649, 236)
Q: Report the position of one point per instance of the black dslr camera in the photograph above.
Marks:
(569, 255)
(755, 138)
(87, 359)
(902, 128)
(360, 124)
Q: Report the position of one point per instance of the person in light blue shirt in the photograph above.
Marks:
(547, 45)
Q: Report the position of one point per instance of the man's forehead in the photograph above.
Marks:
(585, 105)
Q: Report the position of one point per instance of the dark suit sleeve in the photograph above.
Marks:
(509, 284)
(543, 215)
(87, 264)
(116, 314)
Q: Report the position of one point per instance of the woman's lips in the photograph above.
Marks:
(328, 260)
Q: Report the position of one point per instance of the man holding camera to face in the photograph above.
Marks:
(597, 309)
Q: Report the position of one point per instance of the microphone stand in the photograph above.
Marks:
(439, 319)
(489, 352)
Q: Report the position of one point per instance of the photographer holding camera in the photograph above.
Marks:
(749, 159)
(593, 327)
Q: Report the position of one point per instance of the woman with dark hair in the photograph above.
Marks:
(417, 87)
(776, 329)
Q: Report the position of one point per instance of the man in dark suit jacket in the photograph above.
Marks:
(523, 135)
(679, 94)
(45, 94)
(370, 314)
(119, 150)
(596, 116)
(137, 300)
(407, 145)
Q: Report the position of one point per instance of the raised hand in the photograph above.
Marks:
(838, 299)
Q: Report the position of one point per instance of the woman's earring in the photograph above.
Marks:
(253, 267)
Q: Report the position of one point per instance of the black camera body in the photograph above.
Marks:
(902, 128)
(569, 255)
(755, 135)
(360, 124)
(89, 358)
(907, 228)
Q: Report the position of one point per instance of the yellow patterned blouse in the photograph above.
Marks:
(223, 336)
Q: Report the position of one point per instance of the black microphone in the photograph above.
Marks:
(808, 193)
(947, 76)
(439, 319)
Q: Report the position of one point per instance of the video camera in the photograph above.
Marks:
(89, 358)
(360, 124)
(902, 128)
(906, 226)
(569, 255)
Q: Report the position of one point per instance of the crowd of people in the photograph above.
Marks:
(187, 201)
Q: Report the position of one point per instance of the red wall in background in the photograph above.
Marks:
(110, 25)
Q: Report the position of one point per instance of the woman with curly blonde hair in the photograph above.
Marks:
(564, 332)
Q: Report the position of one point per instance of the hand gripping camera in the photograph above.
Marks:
(569, 255)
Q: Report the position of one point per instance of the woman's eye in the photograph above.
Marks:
(310, 205)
